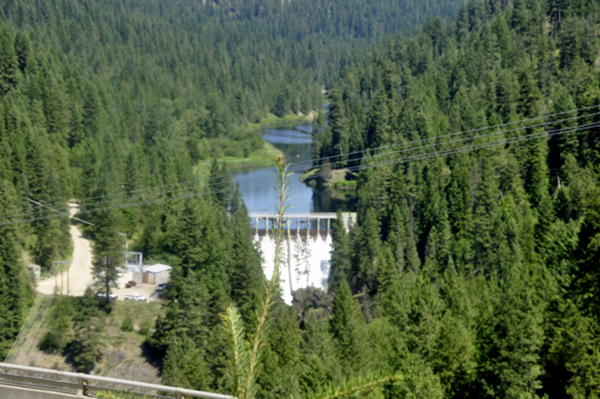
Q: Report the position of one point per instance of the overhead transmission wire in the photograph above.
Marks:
(476, 130)
(358, 159)
(294, 166)
(459, 140)
(358, 167)
(357, 152)
(31, 325)
(478, 146)
(158, 200)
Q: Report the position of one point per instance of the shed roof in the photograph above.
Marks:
(159, 268)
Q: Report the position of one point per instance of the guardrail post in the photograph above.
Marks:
(179, 394)
(81, 388)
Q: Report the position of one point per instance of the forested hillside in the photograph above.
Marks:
(476, 249)
(473, 269)
(106, 97)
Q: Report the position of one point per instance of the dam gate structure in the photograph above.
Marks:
(315, 222)
(306, 256)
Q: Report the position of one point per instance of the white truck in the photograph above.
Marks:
(135, 297)
(102, 294)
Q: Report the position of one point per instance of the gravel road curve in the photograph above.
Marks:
(80, 274)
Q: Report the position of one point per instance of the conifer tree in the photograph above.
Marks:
(509, 361)
(108, 253)
(245, 269)
(338, 123)
(366, 253)
(24, 52)
(347, 327)
(340, 254)
(12, 280)
(185, 366)
(9, 64)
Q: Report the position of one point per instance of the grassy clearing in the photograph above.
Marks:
(259, 158)
(256, 159)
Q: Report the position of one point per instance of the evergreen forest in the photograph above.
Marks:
(471, 131)
(99, 98)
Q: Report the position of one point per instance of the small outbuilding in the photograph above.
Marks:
(156, 274)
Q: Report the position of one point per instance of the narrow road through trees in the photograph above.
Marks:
(80, 273)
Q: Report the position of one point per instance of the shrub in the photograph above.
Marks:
(127, 324)
(145, 327)
(50, 342)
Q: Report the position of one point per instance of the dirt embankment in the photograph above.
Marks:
(124, 354)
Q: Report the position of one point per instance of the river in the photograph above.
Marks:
(310, 252)
(257, 186)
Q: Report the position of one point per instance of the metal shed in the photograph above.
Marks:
(156, 274)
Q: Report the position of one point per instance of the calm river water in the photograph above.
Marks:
(256, 186)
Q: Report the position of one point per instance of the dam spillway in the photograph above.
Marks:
(307, 248)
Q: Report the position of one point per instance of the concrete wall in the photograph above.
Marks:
(138, 277)
(162, 277)
(13, 392)
(152, 278)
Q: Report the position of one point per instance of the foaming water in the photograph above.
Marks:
(310, 261)
(310, 253)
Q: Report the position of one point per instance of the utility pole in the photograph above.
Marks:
(289, 255)
(55, 282)
(126, 250)
(106, 279)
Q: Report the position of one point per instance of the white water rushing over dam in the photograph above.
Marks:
(310, 261)
(306, 250)
(309, 207)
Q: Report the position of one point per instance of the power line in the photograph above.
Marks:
(359, 167)
(454, 141)
(472, 148)
(401, 151)
(478, 130)
(294, 165)
(64, 214)
(589, 125)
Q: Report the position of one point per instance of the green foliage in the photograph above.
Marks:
(83, 349)
(185, 366)
(14, 290)
(145, 326)
(57, 336)
(469, 274)
(481, 263)
(127, 324)
(347, 327)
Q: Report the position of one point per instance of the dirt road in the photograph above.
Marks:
(80, 273)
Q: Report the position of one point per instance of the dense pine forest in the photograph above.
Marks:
(99, 98)
(476, 249)
(473, 269)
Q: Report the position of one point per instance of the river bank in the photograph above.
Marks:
(256, 159)
(260, 158)
(340, 182)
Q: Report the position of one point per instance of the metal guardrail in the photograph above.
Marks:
(83, 387)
